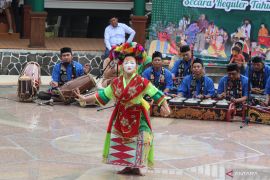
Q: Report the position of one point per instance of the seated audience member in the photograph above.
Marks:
(238, 58)
(259, 74)
(240, 44)
(234, 86)
(158, 75)
(197, 85)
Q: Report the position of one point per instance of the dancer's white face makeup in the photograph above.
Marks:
(129, 65)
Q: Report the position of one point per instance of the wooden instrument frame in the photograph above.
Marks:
(259, 115)
(197, 112)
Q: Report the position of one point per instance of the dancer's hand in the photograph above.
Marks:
(165, 109)
(80, 98)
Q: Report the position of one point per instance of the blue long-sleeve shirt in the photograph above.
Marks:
(223, 83)
(267, 87)
(266, 75)
(176, 66)
(57, 69)
(185, 86)
(167, 77)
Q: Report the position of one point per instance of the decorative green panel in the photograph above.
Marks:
(173, 11)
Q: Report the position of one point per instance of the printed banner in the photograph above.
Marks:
(228, 5)
(210, 27)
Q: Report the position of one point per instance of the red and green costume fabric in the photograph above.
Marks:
(129, 139)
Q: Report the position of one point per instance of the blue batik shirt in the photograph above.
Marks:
(256, 81)
(57, 71)
(223, 85)
(185, 87)
(168, 82)
(186, 70)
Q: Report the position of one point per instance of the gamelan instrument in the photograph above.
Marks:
(259, 114)
(29, 82)
(257, 99)
(84, 83)
(196, 109)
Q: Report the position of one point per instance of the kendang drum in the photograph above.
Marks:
(84, 83)
(29, 82)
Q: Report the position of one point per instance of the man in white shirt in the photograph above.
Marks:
(246, 28)
(115, 34)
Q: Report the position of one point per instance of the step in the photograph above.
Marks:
(215, 66)
(215, 70)
(216, 74)
(8, 36)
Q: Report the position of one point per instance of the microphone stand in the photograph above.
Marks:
(247, 119)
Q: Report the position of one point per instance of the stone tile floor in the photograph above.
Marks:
(65, 143)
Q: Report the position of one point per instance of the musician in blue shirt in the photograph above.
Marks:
(197, 85)
(182, 67)
(234, 86)
(67, 69)
(63, 72)
(158, 75)
(267, 92)
(259, 74)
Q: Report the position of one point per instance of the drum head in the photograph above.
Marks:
(32, 69)
(24, 78)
